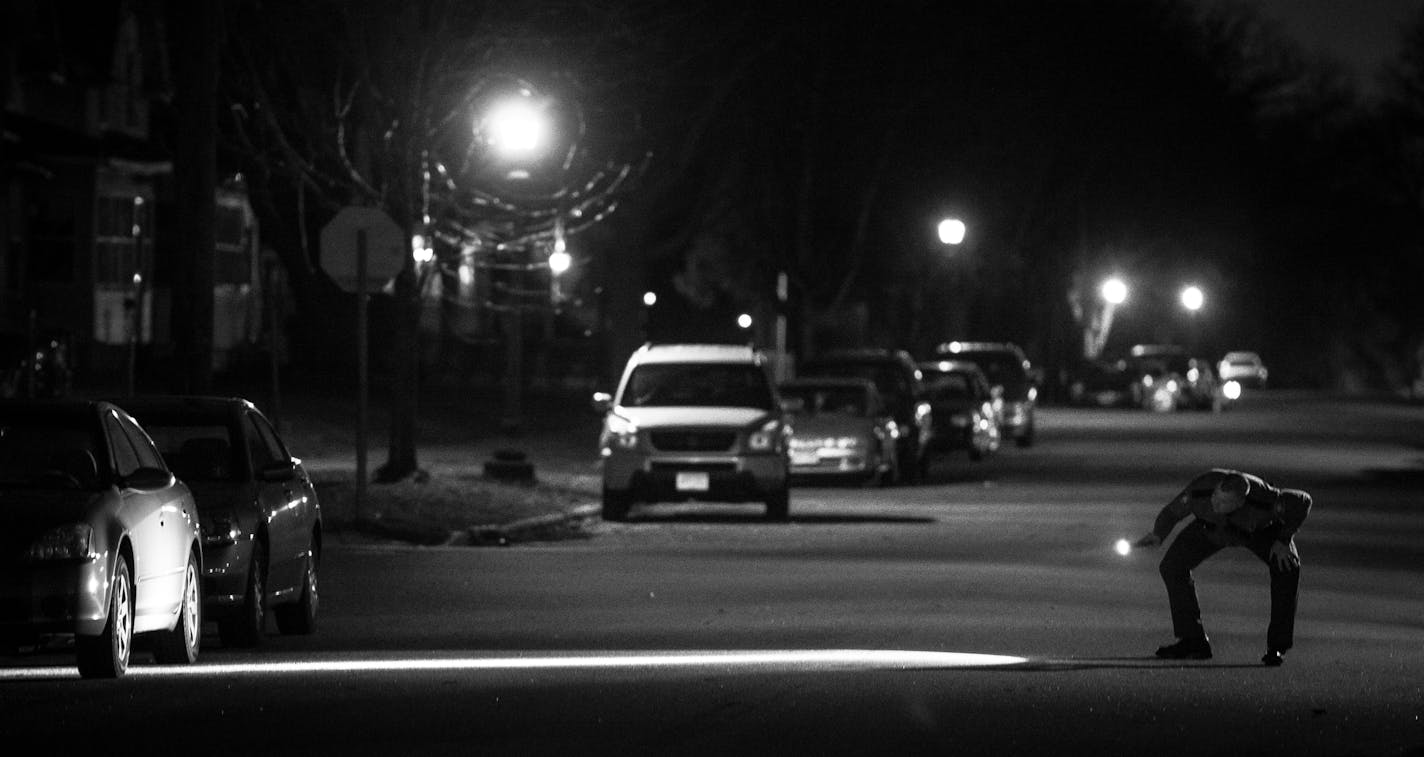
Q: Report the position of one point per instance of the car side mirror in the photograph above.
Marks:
(602, 402)
(147, 479)
(278, 472)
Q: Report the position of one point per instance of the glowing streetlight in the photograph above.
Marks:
(1114, 291)
(952, 231)
(650, 298)
(744, 321)
(1192, 298)
(559, 262)
(516, 128)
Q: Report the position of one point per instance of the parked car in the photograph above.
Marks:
(101, 542)
(962, 408)
(694, 421)
(1012, 376)
(1106, 383)
(898, 379)
(1243, 367)
(261, 518)
(841, 429)
(1192, 381)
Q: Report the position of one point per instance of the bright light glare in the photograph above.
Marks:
(1231, 390)
(1114, 291)
(744, 320)
(560, 262)
(421, 251)
(785, 659)
(650, 298)
(1192, 298)
(951, 231)
(516, 128)
(1123, 547)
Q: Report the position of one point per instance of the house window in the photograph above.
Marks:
(234, 261)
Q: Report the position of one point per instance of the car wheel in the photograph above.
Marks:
(245, 629)
(180, 645)
(616, 504)
(299, 617)
(778, 505)
(107, 655)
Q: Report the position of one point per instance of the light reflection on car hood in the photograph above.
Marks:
(666, 417)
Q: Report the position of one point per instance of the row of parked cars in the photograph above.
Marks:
(705, 421)
(1166, 377)
(133, 521)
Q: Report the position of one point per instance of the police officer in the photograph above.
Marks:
(1231, 509)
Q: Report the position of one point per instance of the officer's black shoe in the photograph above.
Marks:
(1186, 649)
(1273, 658)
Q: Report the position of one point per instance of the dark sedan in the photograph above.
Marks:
(100, 541)
(261, 518)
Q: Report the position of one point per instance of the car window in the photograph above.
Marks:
(892, 382)
(47, 454)
(1000, 368)
(148, 456)
(275, 451)
(947, 386)
(259, 453)
(124, 455)
(699, 385)
(197, 452)
(842, 400)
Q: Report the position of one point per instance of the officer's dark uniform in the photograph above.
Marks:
(1269, 515)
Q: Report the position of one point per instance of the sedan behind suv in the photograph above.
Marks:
(694, 421)
(901, 385)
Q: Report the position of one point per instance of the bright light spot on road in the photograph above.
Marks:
(1192, 298)
(951, 231)
(1123, 547)
(774, 659)
(1114, 291)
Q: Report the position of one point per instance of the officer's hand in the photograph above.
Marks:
(1150, 540)
(1283, 556)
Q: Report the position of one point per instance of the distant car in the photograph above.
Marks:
(841, 429)
(262, 529)
(100, 541)
(694, 421)
(898, 379)
(962, 408)
(1191, 382)
(1243, 367)
(1013, 377)
(1106, 383)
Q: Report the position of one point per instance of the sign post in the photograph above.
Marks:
(361, 248)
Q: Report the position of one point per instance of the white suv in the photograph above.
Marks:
(694, 421)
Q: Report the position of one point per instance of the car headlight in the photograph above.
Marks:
(618, 434)
(764, 439)
(73, 542)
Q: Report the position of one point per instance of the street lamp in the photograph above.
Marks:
(1114, 291)
(515, 128)
(1192, 298)
(952, 231)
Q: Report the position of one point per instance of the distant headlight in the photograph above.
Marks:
(74, 542)
(765, 438)
(1231, 390)
(959, 420)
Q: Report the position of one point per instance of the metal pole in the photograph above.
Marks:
(361, 375)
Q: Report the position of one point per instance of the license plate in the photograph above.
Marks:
(693, 481)
(805, 458)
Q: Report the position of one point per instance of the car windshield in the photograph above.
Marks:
(59, 454)
(698, 385)
(1000, 368)
(820, 400)
(888, 378)
(948, 386)
(195, 452)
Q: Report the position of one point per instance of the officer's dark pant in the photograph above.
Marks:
(1197, 542)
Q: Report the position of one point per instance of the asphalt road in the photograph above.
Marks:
(983, 612)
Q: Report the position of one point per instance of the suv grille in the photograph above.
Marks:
(693, 441)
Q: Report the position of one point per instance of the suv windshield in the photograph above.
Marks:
(698, 385)
(1000, 368)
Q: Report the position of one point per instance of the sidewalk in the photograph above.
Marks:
(451, 501)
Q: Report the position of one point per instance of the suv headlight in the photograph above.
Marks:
(618, 434)
(73, 542)
(765, 439)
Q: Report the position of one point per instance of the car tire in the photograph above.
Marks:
(299, 617)
(246, 628)
(778, 505)
(616, 504)
(107, 655)
(179, 646)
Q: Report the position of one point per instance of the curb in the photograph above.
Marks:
(555, 526)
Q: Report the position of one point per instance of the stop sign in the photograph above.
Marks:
(385, 247)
